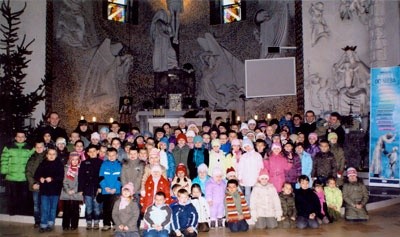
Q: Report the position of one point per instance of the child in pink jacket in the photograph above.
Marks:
(276, 165)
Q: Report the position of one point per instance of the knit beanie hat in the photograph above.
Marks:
(202, 167)
(276, 145)
(198, 139)
(263, 172)
(235, 142)
(244, 126)
(190, 133)
(181, 167)
(164, 140)
(181, 136)
(61, 140)
(313, 134)
(216, 172)
(332, 135)
(104, 130)
(215, 142)
(154, 152)
(230, 171)
(351, 172)
(252, 121)
(95, 135)
(111, 135)
(260, 135)
(247, 142)
(129, 186)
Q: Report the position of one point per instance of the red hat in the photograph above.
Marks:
(229, 170)
(181, 136)
(181, 167)
(351, 172)
(263, 172)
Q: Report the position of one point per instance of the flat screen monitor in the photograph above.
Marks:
(270, 77)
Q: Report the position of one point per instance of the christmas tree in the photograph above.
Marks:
(16, 107)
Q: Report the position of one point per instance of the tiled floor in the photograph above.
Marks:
(383, 222)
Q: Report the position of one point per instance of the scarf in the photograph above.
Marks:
(72, 172)
(237, 154)
(198, 156)
(321, 197)
(81, 155)
(124, 203)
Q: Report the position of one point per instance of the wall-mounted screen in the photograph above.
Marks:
(270, 77)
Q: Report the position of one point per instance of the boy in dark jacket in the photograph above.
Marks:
(307, 205)
(88, 184)
(324, 164)
(184, 216)
(31, 167)
(50, 175)
(288, 206)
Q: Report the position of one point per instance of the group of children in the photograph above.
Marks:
(185, 180)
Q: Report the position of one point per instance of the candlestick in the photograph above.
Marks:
(111, 120)
(94, 119)
(82, 117)
(269, 116)
(238, 118)
(256, 117)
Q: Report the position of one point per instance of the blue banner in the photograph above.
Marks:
(385, 127)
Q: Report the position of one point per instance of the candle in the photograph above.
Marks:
(238, 118)
(82, 117)
(94, 119)
(111, 120)
(269, 116)
(256, 117)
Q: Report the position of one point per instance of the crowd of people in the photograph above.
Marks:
(283, 173)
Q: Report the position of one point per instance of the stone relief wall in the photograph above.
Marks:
(79, 34)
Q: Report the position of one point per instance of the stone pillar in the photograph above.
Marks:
(377, 36)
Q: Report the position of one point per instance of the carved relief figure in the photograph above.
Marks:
(352, 79)
(164, 56)
(175, 7)
(319, 27)
(222, 75)
(272, 22)
(100, 87)
(360, 7)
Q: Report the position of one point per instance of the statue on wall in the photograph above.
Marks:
(222, 75)
(319, 27)
(352, 79)
(175, 7)
(272, 25)
(164, 56)
(100, 90)
(360, 7)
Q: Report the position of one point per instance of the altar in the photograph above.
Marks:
(149, 120)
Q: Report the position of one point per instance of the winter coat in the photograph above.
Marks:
(313, 150)
(13, 161)
(292, 174)
(132, 171)
(88, 176)
(307, 202)
(265, 202)
(147, 173)
(215, 192)
(249, 167)
(202, 183)
(53, 169)
(355, 193)
(162, 185)
(181, 155)
(185, 183)
(69, 185)
(31, 167)
(184, 216)
(333, 197)
(217, 160)
(324, 165)
(159, 215)
(277, 165)
(192, 166)
(202, 208)
(127, 216)
(232, 211)
(110, 172)
(288, 205)
(338, 153)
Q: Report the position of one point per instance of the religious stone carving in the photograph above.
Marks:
(223, 75)
(100, 90)
(164, 56)
(175, 7)
(272, 21)
(319, 27)
(360, 7)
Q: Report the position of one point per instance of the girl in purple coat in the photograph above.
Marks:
(292, 174)
(313, 148)
(277, 165)
(215, 196)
